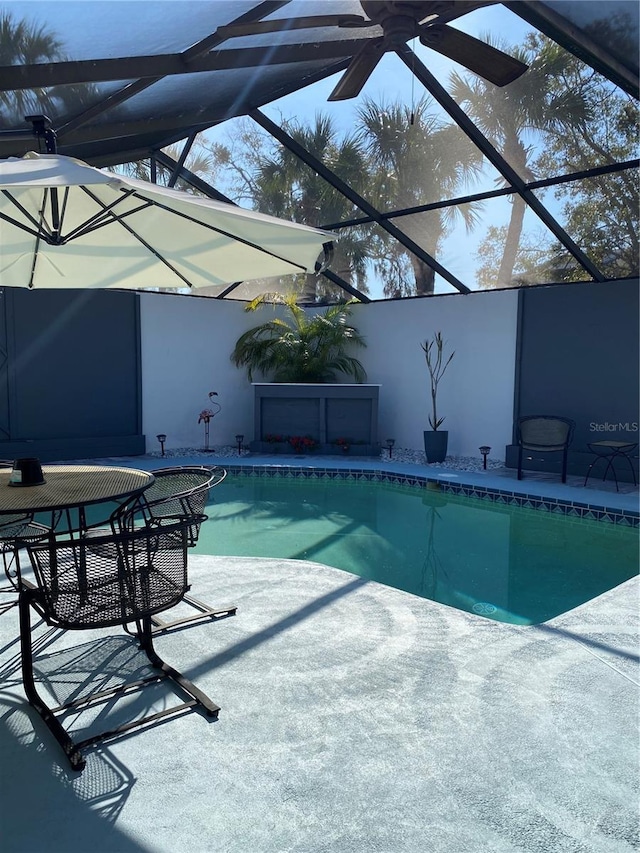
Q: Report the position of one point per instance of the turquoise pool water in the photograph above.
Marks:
(506, 563)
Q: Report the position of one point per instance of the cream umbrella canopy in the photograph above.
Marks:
(65, 224)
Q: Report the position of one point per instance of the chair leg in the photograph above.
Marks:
(565, 456)
(146, 643)
(203, 611)
(73, 749)
(519, 463)
(70, 748)
(9, 559)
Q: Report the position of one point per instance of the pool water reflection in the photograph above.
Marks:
(505, 563)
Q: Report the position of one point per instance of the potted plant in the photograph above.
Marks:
(435, 439)
(302, 347)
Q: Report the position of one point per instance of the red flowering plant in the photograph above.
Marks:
(343, 443)
(274, 438)
(302, 443)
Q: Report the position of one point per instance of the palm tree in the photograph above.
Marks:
(275, 181)
(24, 43)
(533, 102)
(302, 347)
(415, 157)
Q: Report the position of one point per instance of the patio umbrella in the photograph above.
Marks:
(65, 224)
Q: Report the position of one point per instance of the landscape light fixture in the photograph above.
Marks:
(239, 440)
(390, 443)
(161, 438)
(485, 450)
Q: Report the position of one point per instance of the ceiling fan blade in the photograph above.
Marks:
(447, 12)
(255, 28)
(478, 56)
(357, 74)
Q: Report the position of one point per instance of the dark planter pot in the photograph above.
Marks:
(435, 444)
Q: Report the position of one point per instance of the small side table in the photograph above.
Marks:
(610, 451)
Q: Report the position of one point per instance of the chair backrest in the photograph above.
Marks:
(176, 493)
(12, 524)
(109, 580)
(549, 432)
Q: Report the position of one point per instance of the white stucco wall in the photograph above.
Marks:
(186, 343)
(476, 393)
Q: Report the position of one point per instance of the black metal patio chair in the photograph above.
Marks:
(87, 583)
(15, 528)
(543, 434)
(178, 493)
(175, 494)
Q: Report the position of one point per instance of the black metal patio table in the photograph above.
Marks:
(65, 494)
(72, 487)
(609, 451)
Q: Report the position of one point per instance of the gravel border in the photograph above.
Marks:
(400, 454)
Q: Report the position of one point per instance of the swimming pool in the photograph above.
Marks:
(507, 563)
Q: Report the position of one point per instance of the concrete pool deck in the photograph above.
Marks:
(355, 718)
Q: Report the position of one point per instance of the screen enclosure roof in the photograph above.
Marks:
(122, 82)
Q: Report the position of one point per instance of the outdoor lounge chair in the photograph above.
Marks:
(86, 583)
(543, 434)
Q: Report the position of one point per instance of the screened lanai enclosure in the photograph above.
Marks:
(450, 146)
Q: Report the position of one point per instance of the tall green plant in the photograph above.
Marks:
(436, 365)
(300, 347)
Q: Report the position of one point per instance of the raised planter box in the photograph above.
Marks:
(324, 412)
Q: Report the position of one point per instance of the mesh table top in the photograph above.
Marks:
(68, 486)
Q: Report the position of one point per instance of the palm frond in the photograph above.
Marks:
(300, 347)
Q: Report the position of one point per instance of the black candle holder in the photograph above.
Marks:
(485, 450)
(390, 443)
(161, 438)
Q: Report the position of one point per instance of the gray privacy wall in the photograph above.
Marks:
(69, 374)
(578, 357)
